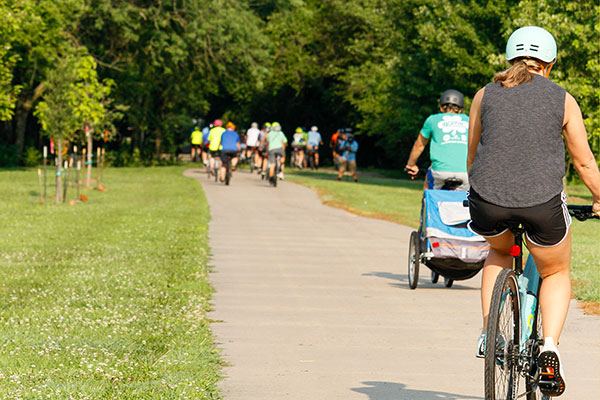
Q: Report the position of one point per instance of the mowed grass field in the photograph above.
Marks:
(106, 299)
(399, 200)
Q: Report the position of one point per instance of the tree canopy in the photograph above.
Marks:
(375, 65)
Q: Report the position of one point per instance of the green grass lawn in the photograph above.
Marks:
(106, 299)
(399, 200)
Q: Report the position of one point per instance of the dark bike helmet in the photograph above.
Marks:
(452, 97)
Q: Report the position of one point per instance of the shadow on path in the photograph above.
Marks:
(401, 281)
(398, 391)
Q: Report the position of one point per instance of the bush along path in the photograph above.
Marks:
(108, 299)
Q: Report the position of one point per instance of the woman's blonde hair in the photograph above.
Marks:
(519, 73)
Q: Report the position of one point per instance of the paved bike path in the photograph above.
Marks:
(313, 302)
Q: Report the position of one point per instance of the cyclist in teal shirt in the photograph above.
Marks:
(448, 133)
(277, 142)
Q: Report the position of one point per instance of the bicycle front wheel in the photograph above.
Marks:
(502, 340)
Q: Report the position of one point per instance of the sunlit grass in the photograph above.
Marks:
(106, 299)
(399, 200)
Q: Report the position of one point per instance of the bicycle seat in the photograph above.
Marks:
(452, 183)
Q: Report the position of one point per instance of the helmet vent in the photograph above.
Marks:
(520, 47)
(534, 47)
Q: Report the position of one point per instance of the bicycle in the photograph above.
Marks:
(515, 323)
(228, 169)
(217, 166)
(252, 159)
(310, 156)
(273, 179)
(295, 161)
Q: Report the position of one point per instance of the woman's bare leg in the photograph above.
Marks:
(553, 264)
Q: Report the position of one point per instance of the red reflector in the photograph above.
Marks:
(435, 244)
(515, 251)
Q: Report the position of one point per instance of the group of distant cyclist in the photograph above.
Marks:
(264, 149)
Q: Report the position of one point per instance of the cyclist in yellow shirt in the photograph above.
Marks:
(196, 139)
(214, 140)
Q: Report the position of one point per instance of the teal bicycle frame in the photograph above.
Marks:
(529, 286)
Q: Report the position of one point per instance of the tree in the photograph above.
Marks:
(42, 35)
(8, 92)
(73, 99)
(90, 99)
(174, 60)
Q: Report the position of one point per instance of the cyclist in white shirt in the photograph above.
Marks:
(252, 140)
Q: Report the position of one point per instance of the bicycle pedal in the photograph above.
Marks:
(551, 381)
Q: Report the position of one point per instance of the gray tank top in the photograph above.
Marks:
(520, 160)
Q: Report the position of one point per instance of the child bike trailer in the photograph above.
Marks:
(443, 242)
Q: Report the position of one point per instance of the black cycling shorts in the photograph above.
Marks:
(227, 153)
(545, 225)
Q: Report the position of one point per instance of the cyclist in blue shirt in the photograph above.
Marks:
(205, 133)
(313, 142)
(347, 148)
(230, 147)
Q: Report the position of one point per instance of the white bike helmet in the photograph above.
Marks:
(531, 41)
(314, 128)
(254, 125)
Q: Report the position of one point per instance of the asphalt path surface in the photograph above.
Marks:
(313, 302)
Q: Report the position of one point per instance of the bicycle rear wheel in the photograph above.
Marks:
(228, 173)
(276, 172)
(501, 378)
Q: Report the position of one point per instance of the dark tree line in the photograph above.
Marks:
(375, 65)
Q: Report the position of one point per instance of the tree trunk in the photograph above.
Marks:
(58, 170)
(21, 115)
(157, 144)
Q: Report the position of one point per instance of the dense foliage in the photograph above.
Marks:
(375, 65)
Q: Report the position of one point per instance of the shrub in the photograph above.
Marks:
(32, 157)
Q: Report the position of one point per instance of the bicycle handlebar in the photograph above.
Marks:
(582, 213)
(422, 172)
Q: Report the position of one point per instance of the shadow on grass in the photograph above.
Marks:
(401, 280)
(398, 391)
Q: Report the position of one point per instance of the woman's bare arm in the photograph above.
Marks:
(474, 127)
(579, 149)
(417, 149)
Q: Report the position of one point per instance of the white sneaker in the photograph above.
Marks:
(480, 353)
(480, 346)
(280, 176)
(552, 376)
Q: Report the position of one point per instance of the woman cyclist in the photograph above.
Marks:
(516, 166)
